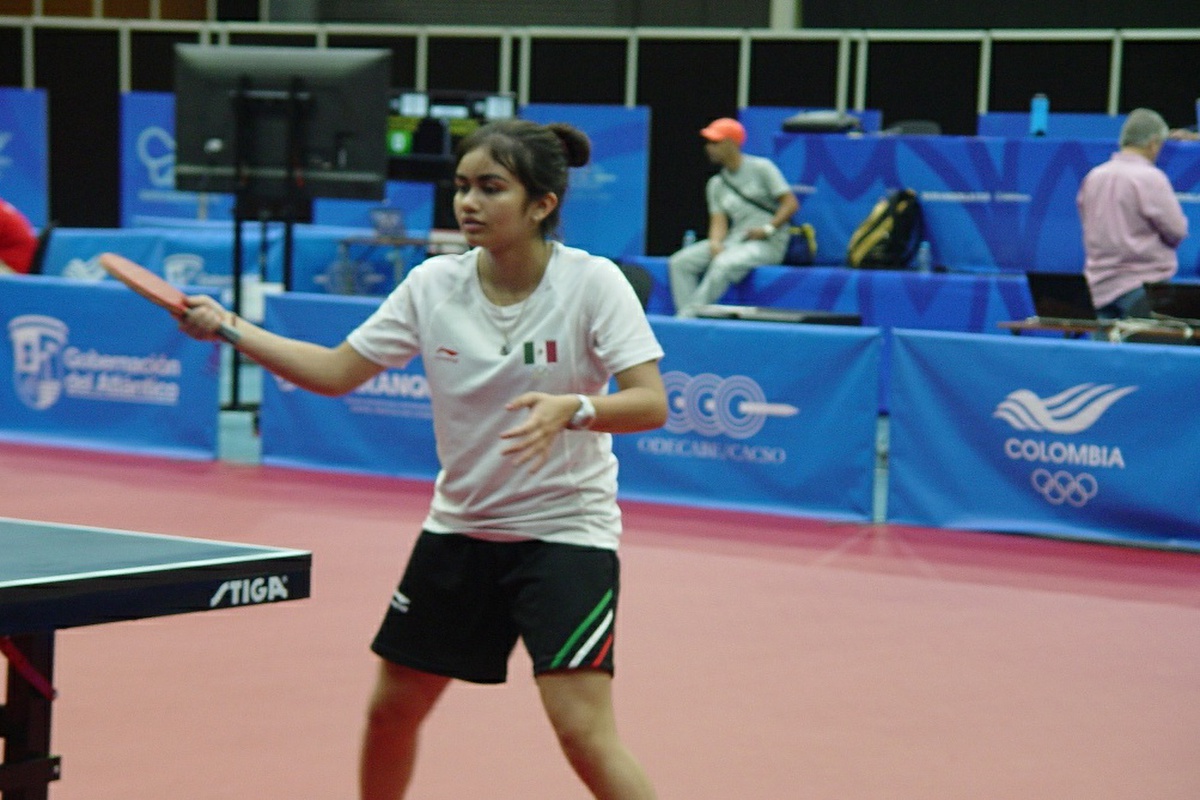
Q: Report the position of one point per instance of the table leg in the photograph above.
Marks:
(28, 768)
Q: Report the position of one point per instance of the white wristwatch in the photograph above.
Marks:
(584, 417)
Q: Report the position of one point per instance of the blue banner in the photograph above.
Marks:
(25, 153)
(1061, 437)
(764, 417)
(384, 427)
(1059, 125)
(989, 204)
(606, 207)
(743, 433)
(196, 255)
(95, 366)
(148, 165)
(149, 196)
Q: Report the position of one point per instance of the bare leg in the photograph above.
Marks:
(403, 697)
(579, 705)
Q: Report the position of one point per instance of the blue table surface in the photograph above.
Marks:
(41, 552)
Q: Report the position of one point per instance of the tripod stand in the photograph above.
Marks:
(267, 189)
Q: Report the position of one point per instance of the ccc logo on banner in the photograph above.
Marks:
(710, 405)
(1062, 487)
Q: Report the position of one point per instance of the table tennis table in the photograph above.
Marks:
(64, 576)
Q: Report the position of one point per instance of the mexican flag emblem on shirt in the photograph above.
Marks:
(541, 352)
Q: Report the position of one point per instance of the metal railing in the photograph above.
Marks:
(516, 45)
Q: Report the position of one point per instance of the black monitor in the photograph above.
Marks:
(425, 127)
(274, 121)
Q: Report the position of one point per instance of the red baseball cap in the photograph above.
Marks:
(724, 128)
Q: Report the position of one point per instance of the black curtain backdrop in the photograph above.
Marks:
(926, 14)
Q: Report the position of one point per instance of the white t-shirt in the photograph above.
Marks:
(758, 179)
(581, 325)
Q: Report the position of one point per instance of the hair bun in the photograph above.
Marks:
(575, 142)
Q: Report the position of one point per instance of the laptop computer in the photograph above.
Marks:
(1174, 300)
(1060, 296)
(767, 314)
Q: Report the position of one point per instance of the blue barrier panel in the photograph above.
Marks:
(975, 302)
(1060, 125)
(990, 204)
(384, 427)
(325, 263)
(148, 193)
(1068, 438)
(25, 153)
(201, 254)
(764, 417)
(95, 366)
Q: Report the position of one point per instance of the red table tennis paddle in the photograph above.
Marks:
(154, 289)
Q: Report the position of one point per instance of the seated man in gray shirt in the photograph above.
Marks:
(749, 206)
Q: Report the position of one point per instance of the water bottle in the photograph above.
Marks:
(924, 258)
(689, 237)
(1039, 114)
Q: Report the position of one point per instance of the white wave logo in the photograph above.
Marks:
(1071, 411)
(81, 270)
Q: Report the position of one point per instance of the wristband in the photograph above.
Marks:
(584, 417)
(769, 228)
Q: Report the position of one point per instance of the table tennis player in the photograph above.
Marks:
(519, 337)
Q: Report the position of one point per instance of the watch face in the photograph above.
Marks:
(586, 414)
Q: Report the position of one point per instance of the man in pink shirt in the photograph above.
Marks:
(1132, 221)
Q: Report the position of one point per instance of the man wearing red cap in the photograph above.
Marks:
(749, 206)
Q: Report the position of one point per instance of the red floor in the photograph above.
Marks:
(758, 657)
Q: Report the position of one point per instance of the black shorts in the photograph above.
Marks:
(463, 603)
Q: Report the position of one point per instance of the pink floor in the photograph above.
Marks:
(758, 657)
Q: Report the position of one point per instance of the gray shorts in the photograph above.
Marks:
(463, 603)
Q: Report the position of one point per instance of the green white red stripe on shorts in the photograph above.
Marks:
(596, 633)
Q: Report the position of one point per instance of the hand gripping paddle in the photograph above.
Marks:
(155, 289)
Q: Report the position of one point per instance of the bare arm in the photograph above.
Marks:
(718, 228)
(788, 206)
(640, 403)
(320, 369)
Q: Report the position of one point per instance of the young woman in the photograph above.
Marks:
(519, 338)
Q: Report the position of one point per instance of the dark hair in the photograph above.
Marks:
(538, 155)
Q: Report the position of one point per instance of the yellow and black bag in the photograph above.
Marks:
(889, 236)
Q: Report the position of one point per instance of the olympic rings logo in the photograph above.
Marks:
(1062, 487)
(711, 405)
